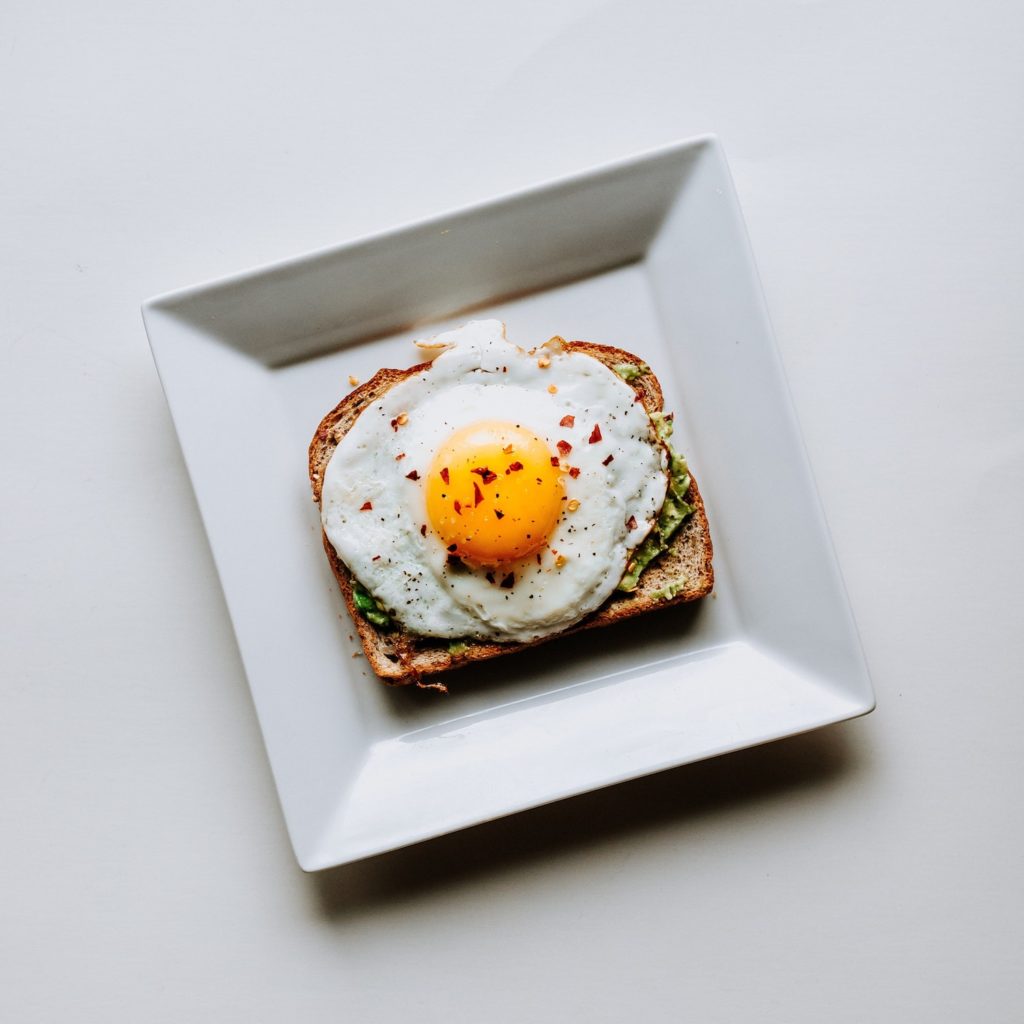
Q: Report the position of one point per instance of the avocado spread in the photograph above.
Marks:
(630, 371)
(675, 509)
(667, 592)
(368, 607)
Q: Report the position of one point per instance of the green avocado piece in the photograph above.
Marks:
(369, 608)
(667, 592)
(630, 371)
(673, 512)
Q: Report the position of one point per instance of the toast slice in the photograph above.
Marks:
(401, 658)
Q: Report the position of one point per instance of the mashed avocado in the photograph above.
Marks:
(630, 371)
(368, 607)
(673, 512)
(667, 592)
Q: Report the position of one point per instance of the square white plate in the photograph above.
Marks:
(649, 253)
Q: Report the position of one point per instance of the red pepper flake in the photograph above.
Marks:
(567, 421)
(444, 474)
(564, 447)
(606, 461)
(499, 513)
(367, 506)
(399, 456)
(509, 581)
(554, 460)
(412, 476)
(631, 523)
(489, 577)
(485, 474)
(477, 494)
(538, 558)
(574, 471)
(423, 530)
(514, 467)
(376, 558)
(595, 434)
(458, 507)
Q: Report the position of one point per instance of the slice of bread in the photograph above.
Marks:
(401, 658)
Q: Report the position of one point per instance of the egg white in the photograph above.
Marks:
(479, 376)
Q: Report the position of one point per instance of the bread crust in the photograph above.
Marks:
(400, 658)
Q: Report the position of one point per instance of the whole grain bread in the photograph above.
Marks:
(401, 658)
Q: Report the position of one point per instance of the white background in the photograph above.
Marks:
(870, 872)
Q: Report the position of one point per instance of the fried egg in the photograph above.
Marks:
(497, 493)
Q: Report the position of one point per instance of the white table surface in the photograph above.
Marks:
(870, 872)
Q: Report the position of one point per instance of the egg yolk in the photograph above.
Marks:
(494, 492)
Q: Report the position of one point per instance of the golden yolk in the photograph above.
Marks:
(494, 492)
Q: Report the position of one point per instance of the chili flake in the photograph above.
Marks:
(477, 494)
(595, 434)
(606, 461)
(444, 474)
(485, 474)
(631, 523)
(509, 581)
(458, 507)
(514, 467)
(412, 476)
(564, 447)
(367, 506)
(567, 421)
(574, 471)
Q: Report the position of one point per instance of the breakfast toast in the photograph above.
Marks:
(402, 658)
